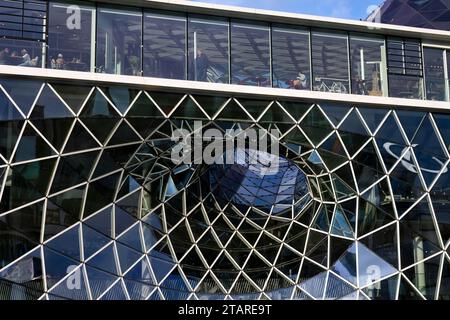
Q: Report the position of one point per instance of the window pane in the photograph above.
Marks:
(165, 45)
(291, 61)
(21, 53)
(330, 62)
(368, 66)
(119, 41)
(70, 38)
(434, 74)
(409, 87)
(208, 50)
(250, 54)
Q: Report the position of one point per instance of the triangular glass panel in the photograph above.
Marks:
(371, 217)
(123, 134)
(132, 238)
(315, 286)
(371, 267)
(74, 96)
(101, 221)
(346, 266)
(353, 133)
(233, 111)
(99, 281)
(93, 241)
(32, 146)
(166, 101)
(122, 97)
(316, 126)
(425, 276)
(55, 130)
(138, 290)
(73, 288)
(188, 109)
(127, 256)
(143, 107)
(8, 111)
(67, 243)
(123, 220)
(335, 112)
(317, 247)
(295, 109)
(160, 267)
(410, 121)
(210, 104)
(117, 292)
(48, 106)
(336, 288)
(80, 139)
(57, 266)
(23, 92)
(104, 260)
(373, 117)
(340, 225)
(254, 107)
(383, 290)
(407, 291)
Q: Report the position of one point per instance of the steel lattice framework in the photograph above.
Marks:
(92, 207)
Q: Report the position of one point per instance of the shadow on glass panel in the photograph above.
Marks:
(330, 62)
(368, 66)
(164, 45)
(208, 50)
(21, 53)
(250, 54)
(119, 41)
(291, 59)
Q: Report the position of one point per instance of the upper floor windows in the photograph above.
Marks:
(83, 36)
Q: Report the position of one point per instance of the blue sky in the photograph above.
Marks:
(347, 9)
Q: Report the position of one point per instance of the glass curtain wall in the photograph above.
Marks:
(164, 45)
(119, 38)
(250, 53)
(291, 58)
(330, 62)
(435, 82)
(368, 66)
(208, 49)
(405, 68)
(71, 35)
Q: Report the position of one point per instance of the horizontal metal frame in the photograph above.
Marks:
(193, 87)
(287, 18)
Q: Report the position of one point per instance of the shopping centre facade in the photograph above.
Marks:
(350, 199)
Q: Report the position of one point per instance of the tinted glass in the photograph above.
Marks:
(368, 66)
(250, 54)
(291, 59)
(434, 74)
(330, 62)
(70, 38)
(208, 50)
(119, 41)
(164, 45)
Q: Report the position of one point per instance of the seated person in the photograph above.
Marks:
(4, 55)
(26, 59)
(58, 63)
(300, 83)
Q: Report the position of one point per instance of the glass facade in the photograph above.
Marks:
(119, 38)
(435, 79)
(208, 49)
(368, 66)
(184, 46)
(250, 54)
(330, 62)
(91, 207)
(71, 35)
(165, 45)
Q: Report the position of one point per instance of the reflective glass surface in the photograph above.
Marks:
(71, 35)
(250, 53)
(330, 62)
(291, 58)
(208, 49)
(164, 45)
(119, 40)
(21, 53)
(435, 74)
(368, 66)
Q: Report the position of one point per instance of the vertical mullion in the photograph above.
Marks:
(349, 61)
(95, 47)
(311, 71)
(271, 55)
(186, 47)
(142, 42)
(229, 53)
(446, 80)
